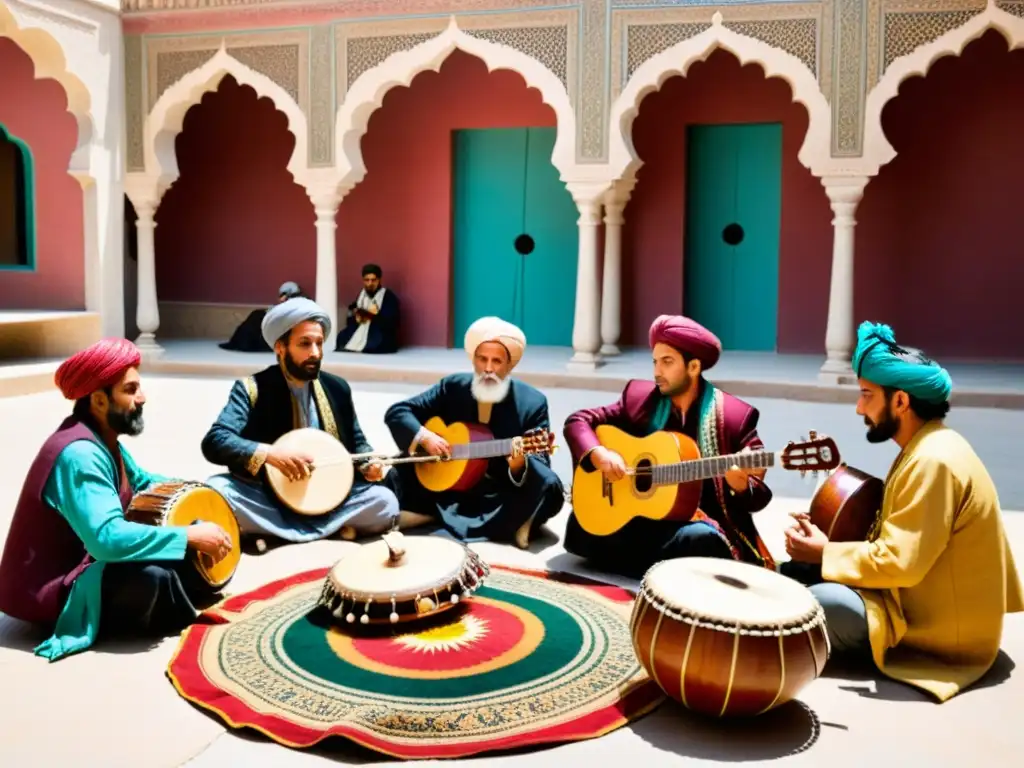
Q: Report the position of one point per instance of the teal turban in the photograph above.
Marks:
(880, 360)
(282, 317)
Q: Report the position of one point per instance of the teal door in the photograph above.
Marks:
(515, 234)
(733, 212)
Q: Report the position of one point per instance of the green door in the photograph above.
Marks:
(733, 211)
(515, 234)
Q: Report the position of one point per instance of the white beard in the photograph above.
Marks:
(489, 388)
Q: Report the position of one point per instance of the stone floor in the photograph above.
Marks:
(113, 706)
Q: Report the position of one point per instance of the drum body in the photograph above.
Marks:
(329, 483)
(371, 587)
(185, 503)
(725, 638)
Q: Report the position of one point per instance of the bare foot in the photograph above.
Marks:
(523, 534)
(348, 533)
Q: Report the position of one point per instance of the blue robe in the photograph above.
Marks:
(499, 504)
(382, 336)
(263, 408)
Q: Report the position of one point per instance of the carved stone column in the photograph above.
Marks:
(615, 201)
(844, 194)
(326, 197)
(145, 194)
(586, 329)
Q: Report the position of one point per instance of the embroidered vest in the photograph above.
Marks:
(274, 409)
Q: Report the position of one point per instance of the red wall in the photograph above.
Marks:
(235, 225)
(36, 112)
(400, 215)
(939, 251)
(720, 90)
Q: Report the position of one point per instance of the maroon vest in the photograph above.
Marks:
(43, 555)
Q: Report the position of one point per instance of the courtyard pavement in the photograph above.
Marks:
(113, 706)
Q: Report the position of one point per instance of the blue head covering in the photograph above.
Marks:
(880, 360)
(282, 317)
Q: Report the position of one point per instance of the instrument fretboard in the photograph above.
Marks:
(485, 449)
(713, 466)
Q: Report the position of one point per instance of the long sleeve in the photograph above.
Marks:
(405, 419)
(535, 418)
(83, 488)
(224, 444)
(911, 538)
(579, 429)
(758, 495)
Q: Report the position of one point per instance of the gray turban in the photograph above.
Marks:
(282, 317)
(289, 289)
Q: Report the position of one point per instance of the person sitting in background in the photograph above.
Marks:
(372, 326)
(248, 337)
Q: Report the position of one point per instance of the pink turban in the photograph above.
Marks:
(687, 336)
(96, 367)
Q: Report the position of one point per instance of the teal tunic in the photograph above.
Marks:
(83, 488)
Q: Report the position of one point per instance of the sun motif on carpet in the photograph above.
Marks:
(450, 637)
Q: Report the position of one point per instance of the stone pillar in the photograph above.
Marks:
(145, 193)
(586, 329)
(615, 201)
(326, 197)
(844, 193)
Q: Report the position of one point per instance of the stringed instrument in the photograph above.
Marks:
(847, 504)
(664, 471)
(473, 445)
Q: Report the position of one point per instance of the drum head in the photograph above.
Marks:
(429, 563)
(202, 504)
(331, 480)
(729, 592)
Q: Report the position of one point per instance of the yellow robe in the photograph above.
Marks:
(939, 576)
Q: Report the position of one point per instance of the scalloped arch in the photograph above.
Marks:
(48, 58)
(367, 94)
(876, 146)
(815, 152)
(165, 121)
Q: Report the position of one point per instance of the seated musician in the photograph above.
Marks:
(248, 336)
(679, 399)
(72, 563)
(518, 494)
(372, 326)
(292, 394)
(924, 597)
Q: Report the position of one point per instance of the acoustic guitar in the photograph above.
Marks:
(663, 474)
(847, 504)
(472, 446)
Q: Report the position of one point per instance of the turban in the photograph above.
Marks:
(96, 367)
(282, 317)
(495, 329)
(880, 360)
(687, 336)
(289, 289)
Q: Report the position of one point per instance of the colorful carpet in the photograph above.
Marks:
(533, 658)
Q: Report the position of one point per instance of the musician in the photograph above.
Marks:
(679, 399)
(247, 336)
(72, 563)
(519, 493)
(372, 326)
(292, 394)
(924, 596)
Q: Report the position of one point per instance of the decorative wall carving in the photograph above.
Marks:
(134, 104)
(1016, 7)
(848, 79)
(592, 105)
(548, 45)
(797, 36)
(322, 105)
(907, 24)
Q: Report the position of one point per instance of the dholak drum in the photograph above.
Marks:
(185, 503)
(399, 579)
(328, 484)
(726, 638)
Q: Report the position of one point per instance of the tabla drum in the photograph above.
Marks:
(185, 503)
(330, 481)
(726, 638)
(400, 579)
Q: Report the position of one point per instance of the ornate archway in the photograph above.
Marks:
(367, 94)
(814, 152)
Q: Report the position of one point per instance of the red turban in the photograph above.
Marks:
(687, 336)
(96, 367)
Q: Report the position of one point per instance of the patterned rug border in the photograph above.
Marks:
(193, 685)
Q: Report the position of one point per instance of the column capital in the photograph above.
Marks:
(615, 200)
(145, 192)
(845, 189)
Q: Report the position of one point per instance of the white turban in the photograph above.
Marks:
(495, 329)
(282, 317)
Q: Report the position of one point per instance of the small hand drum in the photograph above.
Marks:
(401, 579)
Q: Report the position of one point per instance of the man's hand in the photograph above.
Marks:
(435, 445)
(516, 464)
(293, 464)
(608, 463)
(373, 471)
(805, 542)
(210, 539)
(739, 479)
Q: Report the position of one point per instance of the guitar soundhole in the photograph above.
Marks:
(642, 479)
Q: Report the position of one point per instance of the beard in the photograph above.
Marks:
(884, 430)
(681, 387)
(490, 388)
(128, 423)
(306, 371)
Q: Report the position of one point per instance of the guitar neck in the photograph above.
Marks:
(484, 449)
(713, 466)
